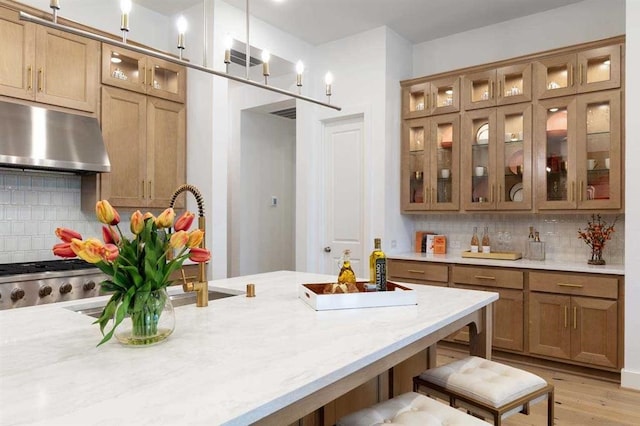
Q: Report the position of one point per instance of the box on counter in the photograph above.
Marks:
(436, 244)
(421, 240)
(396, 295)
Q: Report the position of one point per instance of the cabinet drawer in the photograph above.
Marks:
(578, 284)
(415, 270)
(490, 277)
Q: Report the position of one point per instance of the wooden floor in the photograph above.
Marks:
(579, 400)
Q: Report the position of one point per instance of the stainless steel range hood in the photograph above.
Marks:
(38, 138)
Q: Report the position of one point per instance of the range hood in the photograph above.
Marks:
(38, 138)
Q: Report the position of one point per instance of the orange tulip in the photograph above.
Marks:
(137, 222)
(106, 213)
(109, 235)
(90, 250)
(110, 252)
(165, 220)
(184, 222)
(195, 238)
(178, 239)
(63, 250)
(199, 255)
(66, 234)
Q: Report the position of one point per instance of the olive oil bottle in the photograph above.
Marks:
(346, 275)
(378, 266)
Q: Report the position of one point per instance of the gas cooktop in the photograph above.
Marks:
(8, 269)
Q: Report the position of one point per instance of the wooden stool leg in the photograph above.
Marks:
(525, 408)
(497, 419)
(550, 408)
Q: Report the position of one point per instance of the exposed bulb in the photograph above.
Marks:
(299, 67)
(125, 6)
(328, 79)
(265, 56)
(228, 42)
(182, 25)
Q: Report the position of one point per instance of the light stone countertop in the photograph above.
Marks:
(549, 265)
(232, 363)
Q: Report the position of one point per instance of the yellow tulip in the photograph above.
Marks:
(149, 215)
(137, 222)
(178, 239)
(165, 220)
(106, 213)
(195, 238)
(90, 250)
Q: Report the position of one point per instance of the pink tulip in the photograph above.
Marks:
(63, 250)
(183, 223)
(199, 255)
(109, 235)
(66, 234)
(110, 252)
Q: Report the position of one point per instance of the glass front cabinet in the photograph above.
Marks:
(579, 154)
(430, 158)
(496, 158)
(501, 86)
(431, 98)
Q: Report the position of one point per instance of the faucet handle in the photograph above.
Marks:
(186, 286)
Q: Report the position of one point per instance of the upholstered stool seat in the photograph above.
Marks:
(486, 388)
(410, 409)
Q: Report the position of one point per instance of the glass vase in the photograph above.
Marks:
(150, 319)
(596, 257)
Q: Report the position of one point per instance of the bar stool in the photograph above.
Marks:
(486, 388)
(410, 408)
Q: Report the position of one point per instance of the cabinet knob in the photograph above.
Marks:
(327, 249)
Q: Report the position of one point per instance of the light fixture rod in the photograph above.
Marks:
(247, 49)
(30, 18)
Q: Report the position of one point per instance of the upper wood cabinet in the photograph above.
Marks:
(146, 142)
(439, 96)
(501, 86)
(46, 65)
(579, 152)
(585, 71)
(145, 74)
(430, 163)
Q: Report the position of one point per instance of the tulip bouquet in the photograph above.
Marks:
(595, 236)
(137, 267)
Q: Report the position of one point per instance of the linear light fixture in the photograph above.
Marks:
(179, 61)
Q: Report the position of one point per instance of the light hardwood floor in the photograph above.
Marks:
(579, 400)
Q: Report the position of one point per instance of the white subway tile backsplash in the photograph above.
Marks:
(5, 196)
(24, 244)
(17, 228)
(5, 228)
(10, 244)
(17, 197)
(44, 198)
(10, 181)
(11, 213)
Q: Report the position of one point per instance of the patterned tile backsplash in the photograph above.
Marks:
(33, 205)
(559, 232)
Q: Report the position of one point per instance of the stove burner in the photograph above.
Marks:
(43, 266)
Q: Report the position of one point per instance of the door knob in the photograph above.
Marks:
(327, 249)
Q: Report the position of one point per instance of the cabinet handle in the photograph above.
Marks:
(143, 196)
(151, 75)
(491, 89)
(149, 189)
(500, 89)
(30, 83)
(144, 76)
(571, 75)
(573, 191)
(433, 200)
(566, 314)
(581, 190)
(580, 68)
(485, 277)
(575, 317)
(492, 194)
(427, 104)
(570, 285)
(415, 271)
(40, 80)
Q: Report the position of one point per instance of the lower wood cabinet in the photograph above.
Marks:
(574, 317)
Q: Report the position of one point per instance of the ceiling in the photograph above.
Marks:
(321, 21)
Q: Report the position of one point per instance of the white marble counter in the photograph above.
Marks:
(548, 265)
(233, 363)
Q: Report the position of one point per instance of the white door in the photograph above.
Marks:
(343, 142)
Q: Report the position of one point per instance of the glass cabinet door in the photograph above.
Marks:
(556, 162)
(414, 187)
(514, 157)
(444, 96)
(123, 68)
(414, 100)
(555, 76)
(478, 160)
(599, 159)
(479, 90)
(444, 158)
(514, 84)
(166, 80)
(599, 69)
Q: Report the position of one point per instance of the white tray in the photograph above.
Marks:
(396, 295)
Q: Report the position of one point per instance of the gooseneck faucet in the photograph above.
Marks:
(201, 287)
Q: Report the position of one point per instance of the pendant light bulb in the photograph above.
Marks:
(265, 64)
(299, 67)
(182, 25)
(228, 42)
(125, 6)
(328, 79)
(265, 56)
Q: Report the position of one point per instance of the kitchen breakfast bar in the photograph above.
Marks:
(270, 359)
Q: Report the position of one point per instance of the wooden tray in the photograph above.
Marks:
(504, 255)
(396, 295)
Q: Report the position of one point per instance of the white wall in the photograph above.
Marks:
(266, 240)
(631, 371)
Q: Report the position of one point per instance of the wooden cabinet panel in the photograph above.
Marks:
(549, 332)
(46, 65)
(594, 332)
(574, 284)
(425, 98)
(415, 270)
(489, 277)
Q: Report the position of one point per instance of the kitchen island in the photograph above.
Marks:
(269, 359)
